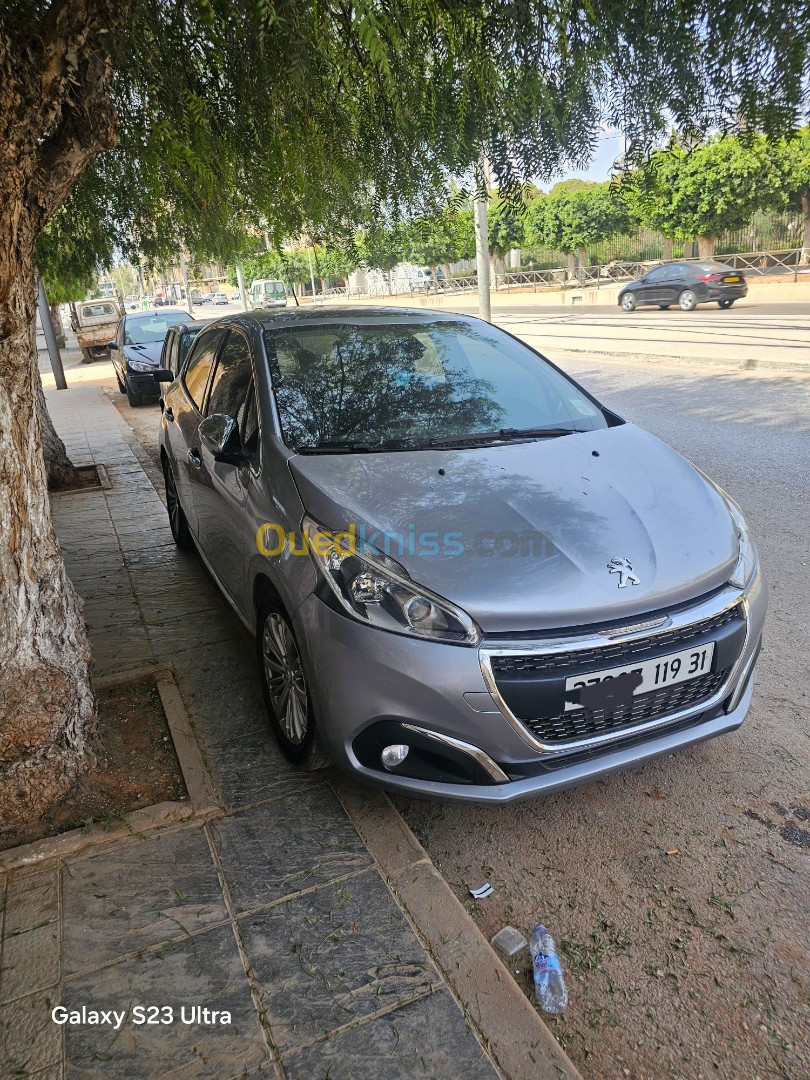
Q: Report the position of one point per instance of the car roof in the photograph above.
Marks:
(278, 318)
(155, 311)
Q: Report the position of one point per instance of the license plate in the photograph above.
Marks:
(729, 280)
(663, 671)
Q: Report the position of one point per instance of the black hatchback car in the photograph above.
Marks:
(686, 284)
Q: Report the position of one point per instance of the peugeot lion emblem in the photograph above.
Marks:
(623, 568)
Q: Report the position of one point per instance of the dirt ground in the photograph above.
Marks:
(135, 766)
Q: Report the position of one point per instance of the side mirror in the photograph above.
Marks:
(220, 435)
(112, 346)
(163, 375)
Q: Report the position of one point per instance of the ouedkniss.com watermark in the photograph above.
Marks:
(273, 540)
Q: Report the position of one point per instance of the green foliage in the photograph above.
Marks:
(321, 117)
(794, 160)
(703, 191)
(442, 238)
(505, 226)
(571, 217)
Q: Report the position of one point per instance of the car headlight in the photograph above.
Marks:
(374, 589)
(747, 557)
(138, 365)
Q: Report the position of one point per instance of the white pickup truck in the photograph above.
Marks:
(94, 323)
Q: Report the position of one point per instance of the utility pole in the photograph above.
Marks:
(311, 274)
(50, 336)
(482, 241)
(184, 275)
(240, 281)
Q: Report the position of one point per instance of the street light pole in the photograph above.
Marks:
(482, 242)
(311, 274)
(50, 336)
(240, 281)
(184, 274)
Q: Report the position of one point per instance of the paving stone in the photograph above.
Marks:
(204, 970)
(30, 961)
(123, 900)
(428, 1038)
(29, 1039)
(278, 848)
(252, 769)
(332, 956)
(31, 900)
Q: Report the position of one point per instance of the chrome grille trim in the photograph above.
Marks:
(717, 605)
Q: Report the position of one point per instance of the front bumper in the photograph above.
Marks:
(142, 382)
(368, 685)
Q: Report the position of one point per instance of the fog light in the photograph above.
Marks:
(394, 755)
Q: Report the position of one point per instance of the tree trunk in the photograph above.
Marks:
(706, 246)
(47, 709)
(804, 257)
(572, 265)
(583, 257)
(666, 253)
(58, 328)
(59, 469)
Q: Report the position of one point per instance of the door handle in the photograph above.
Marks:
(167, 412)
(194, 457)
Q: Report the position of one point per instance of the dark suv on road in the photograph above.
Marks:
(686, 284)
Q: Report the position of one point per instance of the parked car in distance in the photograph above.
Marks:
(219, 298)
(179, 339)
(466, 577)
(136, 350)
(686, 284)
(268, 293)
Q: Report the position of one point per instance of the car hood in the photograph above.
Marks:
(145, 354)
(526, 531)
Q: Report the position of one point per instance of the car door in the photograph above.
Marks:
(183, 411)
(652, 288)
(221, 490)
(673, 282)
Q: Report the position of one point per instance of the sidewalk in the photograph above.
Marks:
(275, 910)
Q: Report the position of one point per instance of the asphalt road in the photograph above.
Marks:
(692, 964)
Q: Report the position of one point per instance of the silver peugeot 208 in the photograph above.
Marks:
(466, 577)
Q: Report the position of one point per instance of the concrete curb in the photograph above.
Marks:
(781, 367)
(202, 797)
(513, 1032)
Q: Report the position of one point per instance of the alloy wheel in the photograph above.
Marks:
(284, 675)
(172, 502)
(629, 301)
(687, 301)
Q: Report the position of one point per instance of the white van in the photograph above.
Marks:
(267, 293)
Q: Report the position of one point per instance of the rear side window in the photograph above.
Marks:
(200, 363)
(232, 378)
(92, 311)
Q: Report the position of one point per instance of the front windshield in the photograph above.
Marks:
(150, 328)
(415, 382)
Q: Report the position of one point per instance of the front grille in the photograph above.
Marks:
(607, 655)
(590, 723)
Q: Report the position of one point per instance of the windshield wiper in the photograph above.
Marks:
(338, 446)
(502, 435)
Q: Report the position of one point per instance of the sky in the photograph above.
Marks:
(609, 147)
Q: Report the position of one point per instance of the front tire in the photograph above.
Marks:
(133, 399)
(178, 523)
(688, 300)
(725, 303)
(629, 302)
(285, 689)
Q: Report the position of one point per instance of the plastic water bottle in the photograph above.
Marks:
(548, 978)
